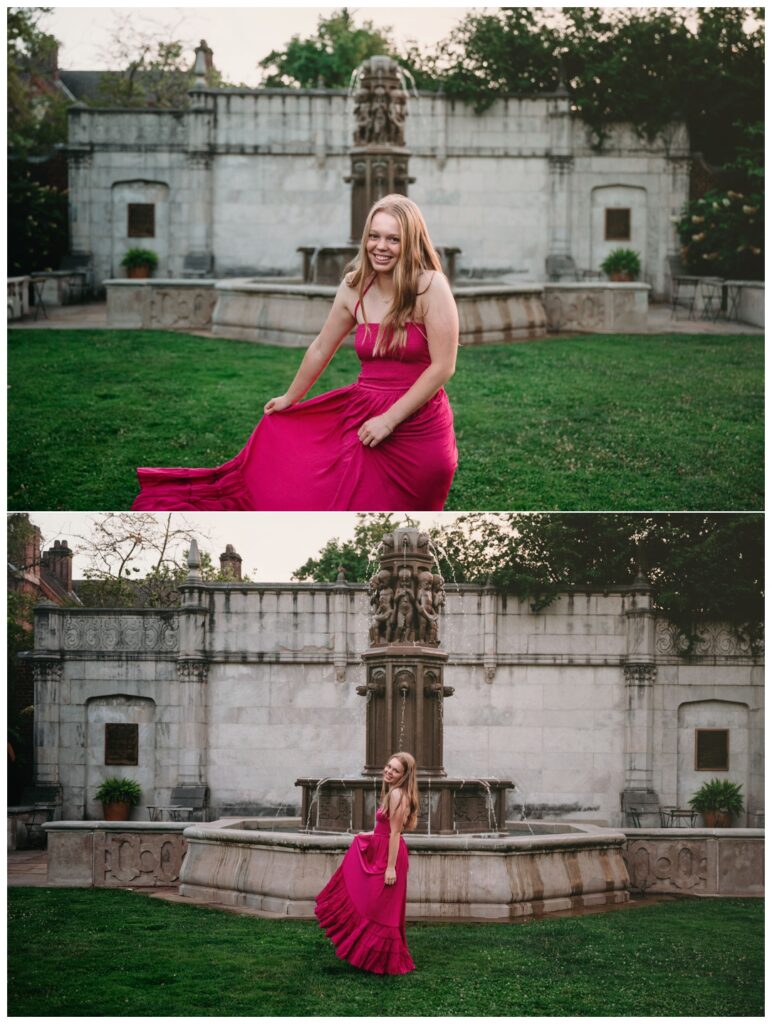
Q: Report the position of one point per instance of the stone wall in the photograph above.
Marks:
(246, 687)
(244, 177)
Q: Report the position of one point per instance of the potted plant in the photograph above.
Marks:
(118, 796)
(622, 265)
(718, 801)
(140, 262)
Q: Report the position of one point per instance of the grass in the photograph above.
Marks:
(118, 953)
(595, 422)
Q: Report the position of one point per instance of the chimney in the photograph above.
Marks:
(58, 560)
(32, 545)
(230, 562)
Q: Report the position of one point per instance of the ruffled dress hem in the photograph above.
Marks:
(378, 948)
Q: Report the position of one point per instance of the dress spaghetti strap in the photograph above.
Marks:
(356, 308)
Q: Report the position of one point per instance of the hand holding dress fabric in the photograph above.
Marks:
(374, 430)
(312, 456)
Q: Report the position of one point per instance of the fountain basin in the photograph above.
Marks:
(447, 806)
(237, 863)
(293, 313)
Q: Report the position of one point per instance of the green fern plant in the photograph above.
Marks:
(119, 791)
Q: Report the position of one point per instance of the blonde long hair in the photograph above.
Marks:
(409, 787)
(416, 255)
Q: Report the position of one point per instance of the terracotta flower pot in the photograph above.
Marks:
(717, 819)
(117, 811)
(143, 270)
(620, 275)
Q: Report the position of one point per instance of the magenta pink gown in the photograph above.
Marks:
(309, 458)
(363, 917)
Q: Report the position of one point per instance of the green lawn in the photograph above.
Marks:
(594, 422)
(115, 953)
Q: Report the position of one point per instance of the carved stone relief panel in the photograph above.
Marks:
(130, 858)
(668, 866)
(120, 633)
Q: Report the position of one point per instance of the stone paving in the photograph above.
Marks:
(28, 867)
(93, 316)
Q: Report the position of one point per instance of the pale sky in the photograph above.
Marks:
(239, 35)
(271, 544)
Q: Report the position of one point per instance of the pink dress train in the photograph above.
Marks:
(309, 458)
(363, 917)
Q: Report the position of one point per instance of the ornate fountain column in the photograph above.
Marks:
(404, 688)
(405, 696)
(379, 157)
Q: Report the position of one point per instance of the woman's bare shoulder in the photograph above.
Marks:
(395, 797)
(433, 291)
(431, 280)
(346, 295)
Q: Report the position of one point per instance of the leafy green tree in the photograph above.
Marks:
(38, 224)
(358, 557)
(37, 122)
(19, 605)
(643, 66)
(328, 58)
(722, 233)
(37, 112)
(702, 568)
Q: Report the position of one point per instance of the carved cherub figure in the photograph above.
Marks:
(382, 605)
(438, 599)
(403, 628)
(427, 614)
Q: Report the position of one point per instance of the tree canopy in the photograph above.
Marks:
(647, 66)
(701, 567)
(37, 112)
(328, 58)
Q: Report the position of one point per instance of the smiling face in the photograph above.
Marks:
(383, 243)
(393, 772)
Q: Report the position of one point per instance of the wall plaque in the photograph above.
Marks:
(121, 743)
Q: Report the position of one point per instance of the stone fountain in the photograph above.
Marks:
(466, 861)
(284, 311)
(405, 696)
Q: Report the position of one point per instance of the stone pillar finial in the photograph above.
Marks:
(194, 563)
(202, 64)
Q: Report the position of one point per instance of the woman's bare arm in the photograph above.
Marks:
(396, 824)
(319, 352)
(441, 321)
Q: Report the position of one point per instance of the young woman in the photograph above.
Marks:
(362, 907)
(384, 443)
